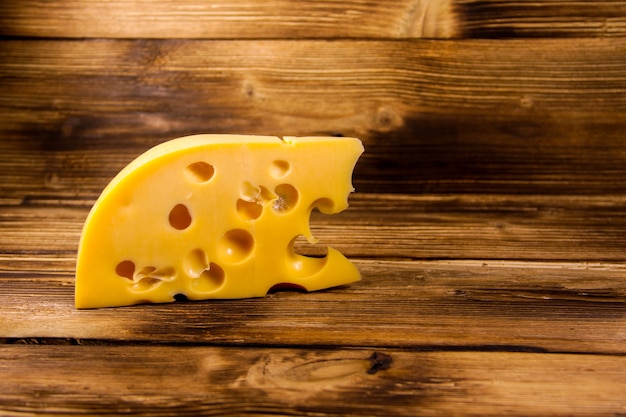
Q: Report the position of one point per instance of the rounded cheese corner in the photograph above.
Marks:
(215, 216)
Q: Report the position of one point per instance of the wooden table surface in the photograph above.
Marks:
(489, 221)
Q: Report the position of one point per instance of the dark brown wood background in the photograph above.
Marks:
(489, 219)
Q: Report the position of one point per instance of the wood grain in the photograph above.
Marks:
(155, 381)
(444, 305)
(375, 226)
(288, 19)
(536, 117)
(488, 223)
(505, 273)
(540, 19)
(226, 19)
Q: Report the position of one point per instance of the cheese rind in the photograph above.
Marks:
(215, 216)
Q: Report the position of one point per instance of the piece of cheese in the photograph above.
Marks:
(215, 216)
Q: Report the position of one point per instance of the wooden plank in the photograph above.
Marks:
(540, 19)
(483, 227)
(532, 117)
(475, 305)
(223, 19)
(280, 19)
(490, 227)
(153, 380)
(483, 298)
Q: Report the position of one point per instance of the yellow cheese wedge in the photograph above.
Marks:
(215, 216)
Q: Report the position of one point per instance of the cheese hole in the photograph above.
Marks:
(305, 266)
(324, 205)
(195, 263)
(236, 245)
(162, 274)
(146, 270)
(179, 217)
(210, 279)
(199, 172)
(280, 168)
(125, 269)
(249, 210)
(149, 277)
(180, 298)
(300, 245)
(287, 198)
(250, 192)
(286, 287)
(306, 259)
(145, 284)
